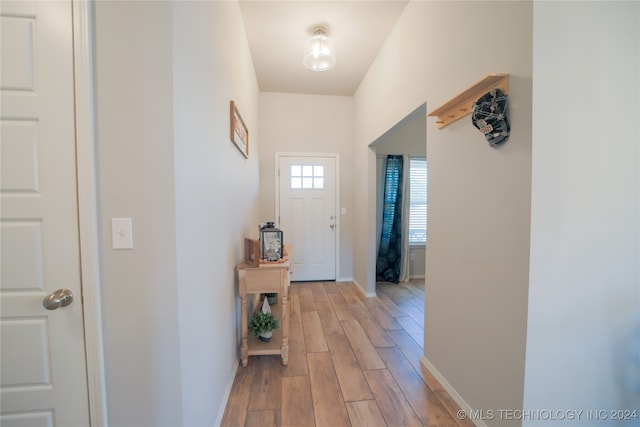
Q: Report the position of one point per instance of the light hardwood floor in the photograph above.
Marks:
(353, 361)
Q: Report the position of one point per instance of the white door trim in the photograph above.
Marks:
(338, 215)
(87, 210)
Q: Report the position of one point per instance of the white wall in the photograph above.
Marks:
(583, 338)
(216, 195)
(309, 124)
(407, 137)
(135, 179)
(165, 73)
(479, 197)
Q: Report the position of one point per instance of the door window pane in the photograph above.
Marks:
(307, 177)
(307, 182)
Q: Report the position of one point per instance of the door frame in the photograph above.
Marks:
(338, 212)
(87, 209)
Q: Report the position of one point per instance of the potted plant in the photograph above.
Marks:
(262, 324)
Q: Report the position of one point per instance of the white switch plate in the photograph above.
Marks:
(122, 233)
(343, 211)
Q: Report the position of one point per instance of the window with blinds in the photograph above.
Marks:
(417, 201)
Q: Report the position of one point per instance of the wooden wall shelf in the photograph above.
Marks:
(462, 104)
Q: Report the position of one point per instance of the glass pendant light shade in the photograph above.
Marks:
(318, 51)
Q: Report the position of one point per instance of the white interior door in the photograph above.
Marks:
(43, 367)
(307, 210)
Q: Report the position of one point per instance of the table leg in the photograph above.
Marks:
(285, 328)
(244, 348)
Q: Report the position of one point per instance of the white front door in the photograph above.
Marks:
(43, 367)
(307, 211)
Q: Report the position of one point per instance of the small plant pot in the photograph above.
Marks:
(265, 336)
(262, 324)
(272, 298)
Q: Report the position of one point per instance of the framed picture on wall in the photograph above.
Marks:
(239, 132)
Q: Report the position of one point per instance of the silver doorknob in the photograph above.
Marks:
(332, 226)
(60, 298)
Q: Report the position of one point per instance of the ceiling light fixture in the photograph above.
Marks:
(318, 51)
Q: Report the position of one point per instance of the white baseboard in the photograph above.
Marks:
(363, 291)
(345, 279)
(417, 276)
(464, 406)
(227, 393)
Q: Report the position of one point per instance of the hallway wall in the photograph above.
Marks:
(134, 134)
(583, 338)
(216, 195)
(165, 73)
(477, 261)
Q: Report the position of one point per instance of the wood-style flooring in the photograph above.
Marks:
(353, 361)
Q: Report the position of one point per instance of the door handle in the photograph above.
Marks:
(60, 298)
(332, 226)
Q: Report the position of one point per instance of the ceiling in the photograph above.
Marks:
(277, 31)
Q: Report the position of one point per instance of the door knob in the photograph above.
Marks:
(60, 298)
(332, 226)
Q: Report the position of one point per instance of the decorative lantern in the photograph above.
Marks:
(271, 243)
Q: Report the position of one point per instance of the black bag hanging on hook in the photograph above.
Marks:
(491, 116)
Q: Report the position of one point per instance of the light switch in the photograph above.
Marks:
(122, 233)
(343, 211)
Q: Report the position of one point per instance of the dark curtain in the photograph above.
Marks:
(390, 250)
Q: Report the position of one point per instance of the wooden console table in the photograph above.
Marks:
(262, 279)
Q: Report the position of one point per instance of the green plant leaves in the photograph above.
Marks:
(262, 323)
